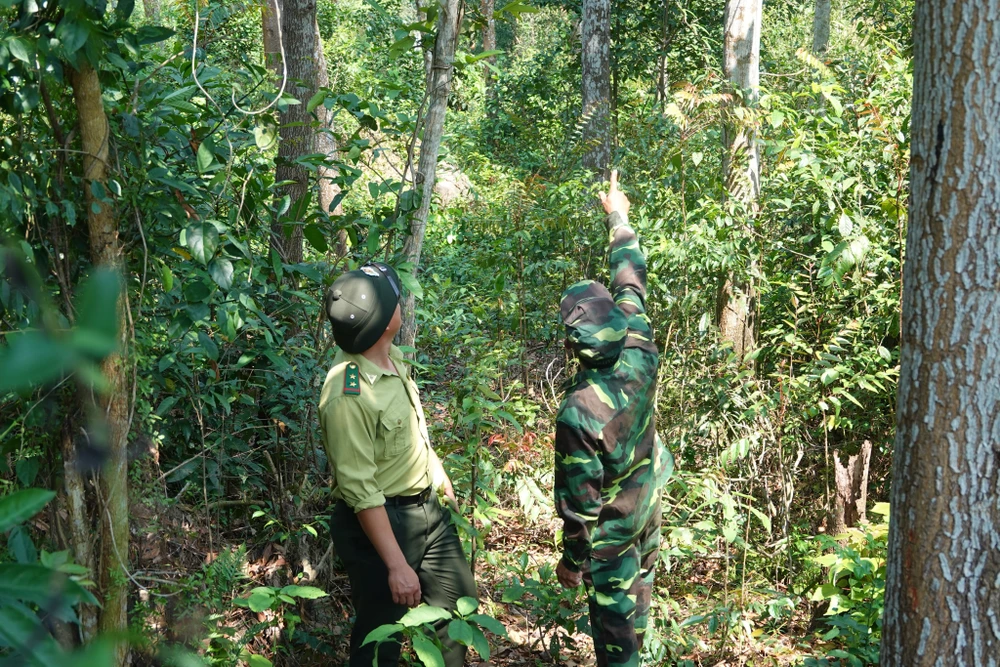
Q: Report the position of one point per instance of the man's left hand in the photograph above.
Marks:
(567, 578)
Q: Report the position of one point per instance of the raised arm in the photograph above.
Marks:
(628, 264)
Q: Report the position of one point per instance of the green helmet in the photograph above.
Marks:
(360, 305)
(595, 327)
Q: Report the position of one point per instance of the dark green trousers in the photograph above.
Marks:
(430, 543)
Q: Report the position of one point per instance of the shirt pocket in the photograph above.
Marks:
(396, 431)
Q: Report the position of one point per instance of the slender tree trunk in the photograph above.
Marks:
(942, 603)
(487, 8)
(105, 251)
(740, 160)
(296, 133)
(270, 11)
(850, 504)
(80, 527)
(327, 145)
(595, 31)
(662, 77)
(438, 91)
(151, 9)
(821, 26)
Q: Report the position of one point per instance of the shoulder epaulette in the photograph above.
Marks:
(352, 380)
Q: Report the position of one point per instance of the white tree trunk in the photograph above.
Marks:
(942, 604)
(740, 158)
(821, 26)
(595, 32)
(438, 91)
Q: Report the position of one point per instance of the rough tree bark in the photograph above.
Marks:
(296, 133)
(662, 76)
(78, 518)
(942, 603)
(595, 33)
(487, 8)
(438, 91)
(327, 189)
(850, 504)
(740, 158)
(151, 9)
(269, 12)
(105, 251)
(821, 26)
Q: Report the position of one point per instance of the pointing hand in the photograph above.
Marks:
(615, 199)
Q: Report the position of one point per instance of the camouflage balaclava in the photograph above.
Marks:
(595, 327)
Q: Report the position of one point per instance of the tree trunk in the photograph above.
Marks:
(327, 145)
(296, 133)
(850, 504)
(80, 527)
(740, 160)
(487, 8)
(269, 15)
(105, 251)
(595, 31)
(151, 9)
(942, 603)
(438, 90)
(662, 77)
(821, 26)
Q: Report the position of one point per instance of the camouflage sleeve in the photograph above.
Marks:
(579, 477)
(628, 266)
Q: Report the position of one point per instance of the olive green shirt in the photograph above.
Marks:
(376, 440)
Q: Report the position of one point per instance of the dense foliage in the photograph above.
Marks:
(227, 345)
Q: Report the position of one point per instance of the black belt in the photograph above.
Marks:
(418, 499)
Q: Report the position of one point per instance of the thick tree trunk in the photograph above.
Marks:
(821, 26)
(740, 159)
(595, 31)
(850, 504)
(942, 603)
(296, 133)
(438, 90)
(105, 251)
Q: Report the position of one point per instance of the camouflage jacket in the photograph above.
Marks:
(609, 462)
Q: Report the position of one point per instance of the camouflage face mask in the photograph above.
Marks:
(595, 326)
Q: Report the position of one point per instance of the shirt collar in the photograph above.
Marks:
(371, 371)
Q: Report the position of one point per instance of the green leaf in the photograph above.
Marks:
(202, 240)
(423, 614)
(205, 156)
(316, 100)
(151, 34)
(381, 633)
(467, 605)
(21, 629)
(261, 599)
(124, 9)
(305, 592)
(38, 584)
(460, 631)
(513, 594)
(221, 270)
(258, 661)
(72, 34)
(490, 623)
(30, 359)
(265, 136)
(96, 331)
(20, 506)
(20, 48)
(315, 237)
(429, 654)
(411, 284)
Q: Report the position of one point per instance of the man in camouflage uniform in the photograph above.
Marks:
(609, 462)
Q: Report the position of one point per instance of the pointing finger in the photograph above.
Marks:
(614, 180)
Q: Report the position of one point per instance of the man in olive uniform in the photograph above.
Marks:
(609, 462)
(397, 542)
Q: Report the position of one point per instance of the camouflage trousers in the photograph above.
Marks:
(620, 587)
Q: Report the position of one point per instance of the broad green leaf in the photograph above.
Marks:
(260, 600)
(490, 623)
(96, 331)
(429, 654)
(467, 605)
(423, 614)
(480, 643)
(221, 270)
(20, 48)
(316, 100)
(72, 34)
(202, 240)
(152, 34)
(38, 584)
(20, 506)
(315, 237)
(258, 661)
(205, 156)
(21, 629)
(32, 358)
(305, 592)
(265, 136)
(460, 631)
(381, 633)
